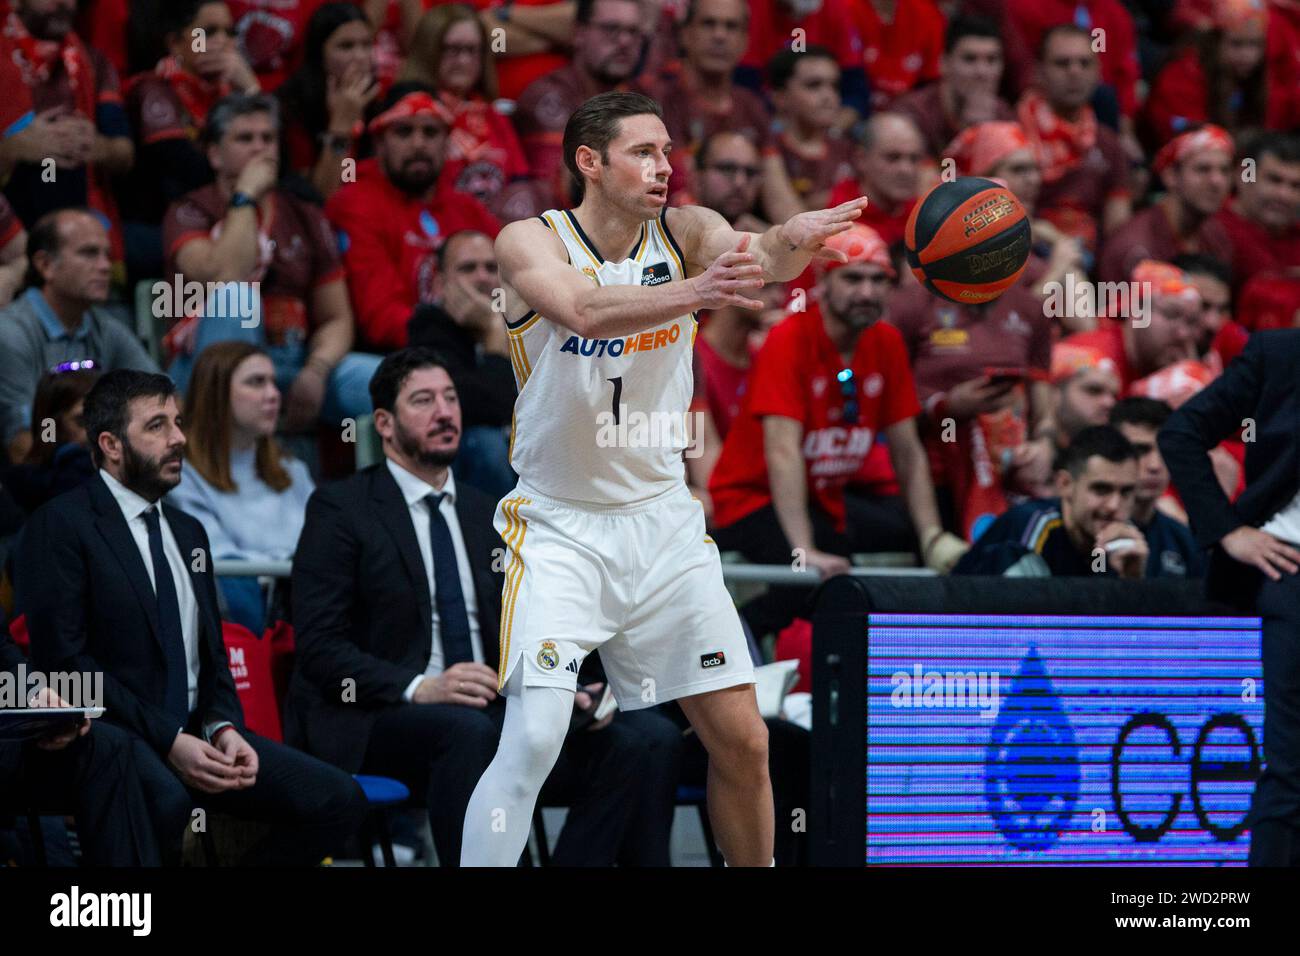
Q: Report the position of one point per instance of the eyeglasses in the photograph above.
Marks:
(81, 365)
(461, 49)
(612, 31)
(731, 170)
(849, 390)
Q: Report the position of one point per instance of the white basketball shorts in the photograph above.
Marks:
(642, 583)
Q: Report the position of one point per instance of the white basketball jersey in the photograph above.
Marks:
(603, 421)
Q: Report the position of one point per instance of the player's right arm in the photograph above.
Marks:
(536, 275)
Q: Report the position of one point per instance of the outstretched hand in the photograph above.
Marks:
(810, 230)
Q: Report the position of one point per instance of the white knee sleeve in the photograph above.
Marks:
(500, 812)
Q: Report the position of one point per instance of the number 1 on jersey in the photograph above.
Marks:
(617, 382)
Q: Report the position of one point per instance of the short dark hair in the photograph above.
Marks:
(440, 254)
(107, 407)
(1104, 440)
(1284, 147)
(234, 105)
(597, 122)
(396, 368)
(692, 8)
(175, 15)
(701, 156)
(969, 25)
(1198, 263)
(1070, 29)
(1142, 411)
(780, 69)
(44, 237)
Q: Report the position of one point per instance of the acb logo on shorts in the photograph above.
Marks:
(716, 659)
(548, 658)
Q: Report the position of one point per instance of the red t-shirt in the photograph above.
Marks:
(794, 376)
(297, 254)
(1149, 235)
(771, 29)
(890, 226)
(271, 34)
(1076, 203)
(483, 153)
(1254, 248)
(103, 25)
(389, 242)
(724, 384)
(515, 73)
(901, 55)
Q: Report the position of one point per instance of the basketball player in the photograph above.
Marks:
(606, 546)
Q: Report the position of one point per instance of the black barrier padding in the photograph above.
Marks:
(837, 817)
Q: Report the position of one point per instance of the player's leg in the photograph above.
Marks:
(500, 811)
(740, 792)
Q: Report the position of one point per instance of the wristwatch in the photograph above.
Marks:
(239, 200)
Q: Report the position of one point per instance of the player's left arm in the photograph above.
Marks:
(939, 550)
(783, 251)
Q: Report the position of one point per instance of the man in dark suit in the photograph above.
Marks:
(113, 582)
(94, 774)
(1256, 542)
(396, 603)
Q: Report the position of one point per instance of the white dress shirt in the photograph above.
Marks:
(133, 509)
(1286, 523)
(414, 491)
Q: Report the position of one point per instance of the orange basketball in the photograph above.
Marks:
(968, 240)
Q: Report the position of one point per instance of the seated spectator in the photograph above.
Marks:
(271, 36)
(608, 39)
(1002, 151)
(450, 53)
(1221, 338)
(106, 577)
(1196, 168)
(1027, 24)
(699, 98)
(728, 174)
(901, 46)
(725, 347)
(1173, 550)
(886, 169)
(59, 319)
(91, 770)
(396, 591)
(13, 252)
(461, 325)
(985, 433)
(806, 97)
(825, 383)
(79, 121)
(829, 24)
(1085, 190)
(325, 99)
(1087, 529)
(244, 229)
(1087, 388)
(168, 107)
(393, 219)
(1263, 220)
(249, 494)
(970, 70)
(1224, 77)
(1161, 327)
(59, 458)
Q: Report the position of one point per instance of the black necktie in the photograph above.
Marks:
(177, 700)
(453, 621)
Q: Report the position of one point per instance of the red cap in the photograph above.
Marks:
(1197, 141)
(861, 244)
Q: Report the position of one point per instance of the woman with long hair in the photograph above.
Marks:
(326, 98)
(1233, 75)
(250, 494)
(450, 53)
(59, 459)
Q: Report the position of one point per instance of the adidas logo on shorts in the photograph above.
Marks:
(716, 659)
(573, 666)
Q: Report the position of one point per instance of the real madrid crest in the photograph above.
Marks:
(590, 273)
(548, 658)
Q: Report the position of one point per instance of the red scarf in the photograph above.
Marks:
(196, 94)
(36, 59)
(1058, 143)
